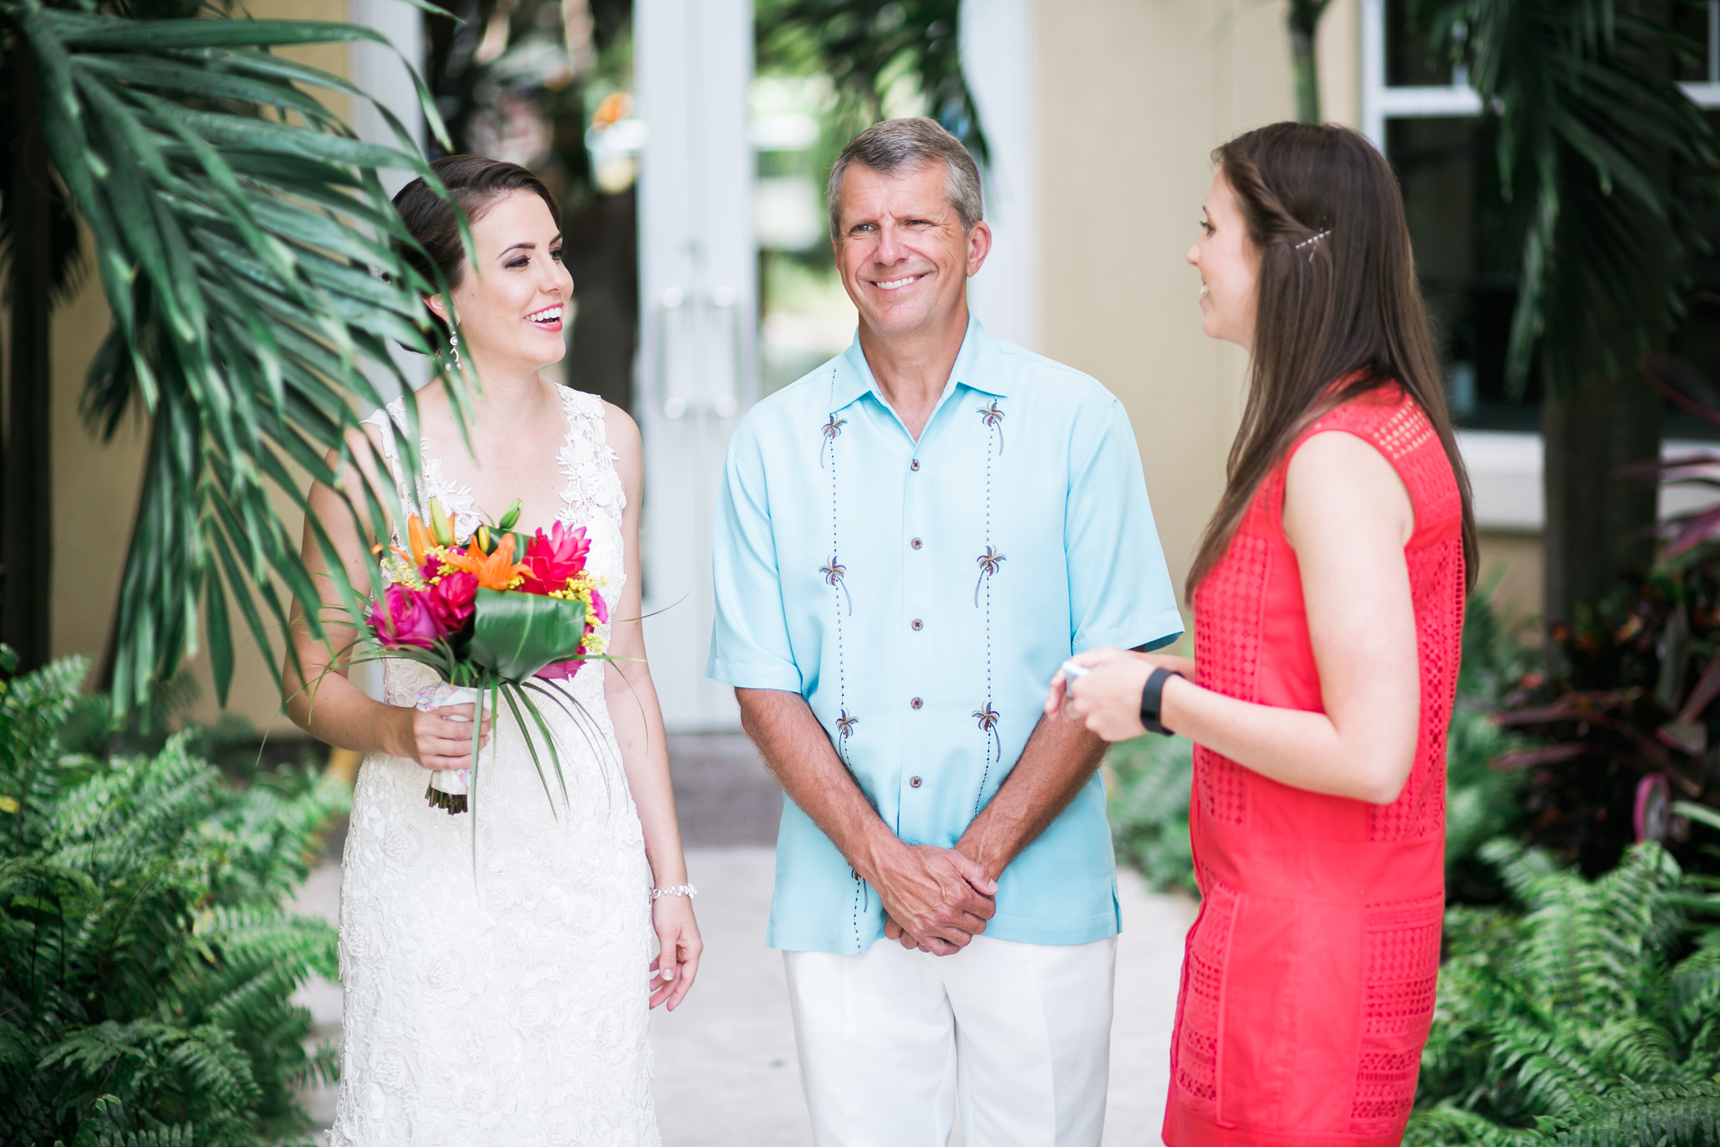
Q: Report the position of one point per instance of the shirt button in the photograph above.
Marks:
(916, 625)
(914, 465)
(915, 703)
(913, 782)
(916, 543)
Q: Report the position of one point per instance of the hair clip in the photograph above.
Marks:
(1313, 239)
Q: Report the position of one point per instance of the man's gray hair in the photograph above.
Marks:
(910, 145)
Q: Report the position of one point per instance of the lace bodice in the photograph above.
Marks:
(494, 963)
(586, 460)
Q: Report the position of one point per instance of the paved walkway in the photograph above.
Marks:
(726, 1070)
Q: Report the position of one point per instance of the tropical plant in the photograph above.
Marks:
(1482, 802)
(1149, 782)
(1304, 22)
(523, 81)
(1591, 134)
(866, 47)
(39, 247)
(1585, 1013)
(1627, 723)
(146, 959)
(249, 257)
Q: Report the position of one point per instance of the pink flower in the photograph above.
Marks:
(402, 619)
(451, 601)
(553, 558)
(560, 670)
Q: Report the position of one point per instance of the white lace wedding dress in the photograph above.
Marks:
(506, 1006)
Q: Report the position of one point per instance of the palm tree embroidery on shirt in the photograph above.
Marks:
(993, 419)
(834, 572)
(832, 430)
(988, 563)
(988, 719)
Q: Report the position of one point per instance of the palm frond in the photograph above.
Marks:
(867, 46)
(1588, 131)
(251, 261)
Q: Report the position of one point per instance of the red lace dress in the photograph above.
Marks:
(1308, 979)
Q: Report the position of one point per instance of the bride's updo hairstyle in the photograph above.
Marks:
(476, 184)
(1337, 300)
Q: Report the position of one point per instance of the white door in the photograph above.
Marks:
(698, 322)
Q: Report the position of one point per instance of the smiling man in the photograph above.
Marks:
(912, 539)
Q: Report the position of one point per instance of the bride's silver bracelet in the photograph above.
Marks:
(686, 890)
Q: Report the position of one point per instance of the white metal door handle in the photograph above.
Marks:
(669, 304)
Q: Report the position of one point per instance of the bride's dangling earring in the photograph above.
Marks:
(454, 349)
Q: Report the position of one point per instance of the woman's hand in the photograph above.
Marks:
(676, 966)
(434, 740)
(1107, 699)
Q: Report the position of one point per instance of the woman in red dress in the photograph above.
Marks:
(1328, 602)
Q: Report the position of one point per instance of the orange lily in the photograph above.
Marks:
(418, 536)
(493, 571)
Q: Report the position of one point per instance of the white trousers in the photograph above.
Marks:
(891, 1038)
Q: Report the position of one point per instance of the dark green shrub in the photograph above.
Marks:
(146, 961)
(1627, 721)
(1149, 795)
(1482, 802)
(1584, 1013)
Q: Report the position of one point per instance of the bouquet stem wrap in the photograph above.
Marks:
(448, 788)
(494, 629)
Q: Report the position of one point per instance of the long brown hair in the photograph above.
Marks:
(1338, 300)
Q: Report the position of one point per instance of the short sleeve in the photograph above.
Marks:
(749, 639)
(1119, 588)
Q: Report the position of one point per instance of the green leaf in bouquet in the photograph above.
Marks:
(517, 634)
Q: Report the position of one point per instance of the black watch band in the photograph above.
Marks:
(1150, 700)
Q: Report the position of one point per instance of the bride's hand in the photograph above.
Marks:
(673, 971)
(434, 741)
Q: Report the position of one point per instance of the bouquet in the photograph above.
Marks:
(495, 614)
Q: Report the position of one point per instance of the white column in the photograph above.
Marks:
(997, 59)
(381, 72)
(698, 312)
(1373, 71)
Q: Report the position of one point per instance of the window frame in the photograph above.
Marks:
(1504, 466)
(1381, 101)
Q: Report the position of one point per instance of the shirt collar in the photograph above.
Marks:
(977, 367)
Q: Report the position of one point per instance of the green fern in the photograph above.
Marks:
(1583, 1014)
(147, 961)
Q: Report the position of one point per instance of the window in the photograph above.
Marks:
(1423, 115)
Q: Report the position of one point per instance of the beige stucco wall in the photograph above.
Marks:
(1132, 98)
(96, 485)
(1516, 561)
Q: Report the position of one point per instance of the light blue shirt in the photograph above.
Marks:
(920, 596)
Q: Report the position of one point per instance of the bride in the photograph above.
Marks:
(497, 989)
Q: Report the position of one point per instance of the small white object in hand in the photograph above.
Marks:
(686, 890)
(1072, 670)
